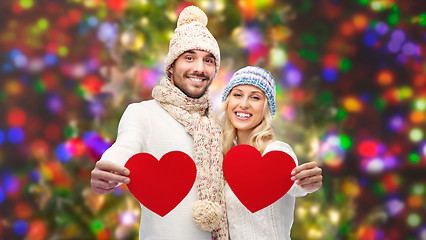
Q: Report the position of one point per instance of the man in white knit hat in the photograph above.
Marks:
(178, 118)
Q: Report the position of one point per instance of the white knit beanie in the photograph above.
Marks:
(191, 33)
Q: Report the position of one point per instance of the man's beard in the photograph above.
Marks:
(187, 93)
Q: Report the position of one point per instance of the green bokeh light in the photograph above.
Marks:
(341, 114)
(418, 189)
(416, 135)
(422, 19)
(26, 3)
(380, 104)
(309, 55)
(414, 158)
(345, 65)
(96, 226)
(414, 220)
(345, 142)
(43, 24)
(363, 2)
(39, 86)
(63, 51)
(420, 104)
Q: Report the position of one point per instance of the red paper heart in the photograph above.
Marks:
(160, 185)
(257, 181)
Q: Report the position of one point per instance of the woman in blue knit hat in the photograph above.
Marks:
(245, 116)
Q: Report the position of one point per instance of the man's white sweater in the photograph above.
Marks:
(147, 127)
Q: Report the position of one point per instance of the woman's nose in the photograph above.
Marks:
(244, 103)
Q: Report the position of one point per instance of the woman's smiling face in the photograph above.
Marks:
(245, 107)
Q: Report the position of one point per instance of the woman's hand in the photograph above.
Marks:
(308, 176)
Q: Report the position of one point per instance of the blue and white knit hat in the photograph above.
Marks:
(257, 77)
(192, 33)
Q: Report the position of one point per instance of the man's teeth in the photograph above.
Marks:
(196, 79)
(243, 115)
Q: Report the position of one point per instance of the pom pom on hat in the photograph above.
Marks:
(192, 14)
(207, 214)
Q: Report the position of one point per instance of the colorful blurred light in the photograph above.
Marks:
(410, 49)
(278, 57)
(288, 112)
(16, 117)
(417, 117)
(414, 158)
(414, 220)
(420, 104)
(54, 103)
(385, 78)
(38, 230)
(394, 206)
(293, 76)
(331, 150)
(330, 74)
(2, 194)
(20, 227)
(128, 217)
(391, 182)
(249, 37)
(18, 58)
(23, 210)
(352, 104)
(107, 32)
(416, 134)
(415, 201)
(370, 148)
(25, 4)
(63, 153)
(16, 135)
(132, 40)
(381, 28)
(351, 189)
(370, 39)
(96, 108)
(422, 233)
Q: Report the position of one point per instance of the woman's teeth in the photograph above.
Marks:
(243, 115)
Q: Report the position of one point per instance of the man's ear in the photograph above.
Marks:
(170, 72)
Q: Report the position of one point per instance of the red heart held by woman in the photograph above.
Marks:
(160, 185)
(257, 181)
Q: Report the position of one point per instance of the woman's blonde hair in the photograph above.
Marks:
(261, 136)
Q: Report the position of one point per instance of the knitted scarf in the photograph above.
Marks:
(196, 116)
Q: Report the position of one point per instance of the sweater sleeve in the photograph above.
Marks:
(295, 190)
(132, 132)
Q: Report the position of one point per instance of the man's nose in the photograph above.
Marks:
(199, 66)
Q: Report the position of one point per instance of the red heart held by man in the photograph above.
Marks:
(160, 185)
(257, 181)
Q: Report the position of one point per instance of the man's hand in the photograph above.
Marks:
(107, 175)
(308, 176)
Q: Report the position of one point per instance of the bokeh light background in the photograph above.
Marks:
(351, 79)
